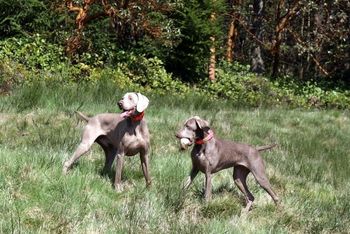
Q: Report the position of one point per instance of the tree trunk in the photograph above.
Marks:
(212, 60)
(276, 56)
(281, 25)
(258, 66)
(232, 32)
(301, 62)
(230, 41)
(277, 40)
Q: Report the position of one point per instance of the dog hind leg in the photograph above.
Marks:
(88, 139)
(260, 176)
(240, 174)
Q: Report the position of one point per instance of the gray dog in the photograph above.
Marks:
(118, 135)
(210, 155)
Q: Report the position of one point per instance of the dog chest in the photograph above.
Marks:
(200, 161)
(133, 142)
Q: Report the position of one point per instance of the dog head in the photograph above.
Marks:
(193, 129)
(133, 102)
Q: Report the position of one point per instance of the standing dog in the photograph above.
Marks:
(210, 155)
(118, 135)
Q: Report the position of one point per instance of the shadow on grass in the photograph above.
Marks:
(129, 174)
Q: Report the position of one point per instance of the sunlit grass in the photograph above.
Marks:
(308, 170)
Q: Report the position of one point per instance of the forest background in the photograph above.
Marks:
(293, 53)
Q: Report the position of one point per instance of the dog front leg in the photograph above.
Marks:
(145, 166)
(190, 178)
(207, 193)
(118, 172)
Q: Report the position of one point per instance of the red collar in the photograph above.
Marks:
(205, 139)
(137, 117)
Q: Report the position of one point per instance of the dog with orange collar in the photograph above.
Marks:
(210, 155)
(119, 135)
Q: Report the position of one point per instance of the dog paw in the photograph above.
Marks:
(207, 198)
(246, 209)
(148, 184)
(65, 170)
(118, 188)
(244, 212)
(66, 167)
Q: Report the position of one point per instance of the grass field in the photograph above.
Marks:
(309, 169)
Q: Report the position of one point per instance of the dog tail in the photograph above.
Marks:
(82, 116)
(265, 147)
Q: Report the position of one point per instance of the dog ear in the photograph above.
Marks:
(202, 124)
(142, 103)
(206, 129)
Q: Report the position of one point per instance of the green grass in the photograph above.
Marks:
(308, 170)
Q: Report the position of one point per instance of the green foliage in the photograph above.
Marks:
(136, 72)
(189, 59)
(150, 74)
(39, 56)
(33, 60)
(178, 33)
(12, 74)
(312, 94)
(26, 16)
(235, 82)
(35, 52)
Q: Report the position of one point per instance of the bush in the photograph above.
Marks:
(35, 53)
(150, 74)
(21, 17)
(33, 59)
(235, 82)
(11, 74)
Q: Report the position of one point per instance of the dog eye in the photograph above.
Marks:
(187, 126)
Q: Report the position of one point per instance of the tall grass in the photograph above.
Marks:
(308, 170)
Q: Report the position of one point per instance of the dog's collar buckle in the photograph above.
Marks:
(205, 139)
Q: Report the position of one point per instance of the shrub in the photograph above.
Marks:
(35, 53)
(235, 82)
(21, 17)
(11, 74)
(150, 74)
(33, 59)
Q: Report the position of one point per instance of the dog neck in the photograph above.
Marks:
(205, 139)
(137, 117)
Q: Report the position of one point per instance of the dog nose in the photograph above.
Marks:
(120, 103)
(177, 135)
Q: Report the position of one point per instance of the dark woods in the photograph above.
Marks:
(306, 40)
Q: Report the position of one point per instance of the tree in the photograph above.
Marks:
(282, 21)
(131, 20)
(321, 36)
(18, 17)
(257, 60)
(212, 60)
(201, 27)
(307, 39)
(232, 32)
